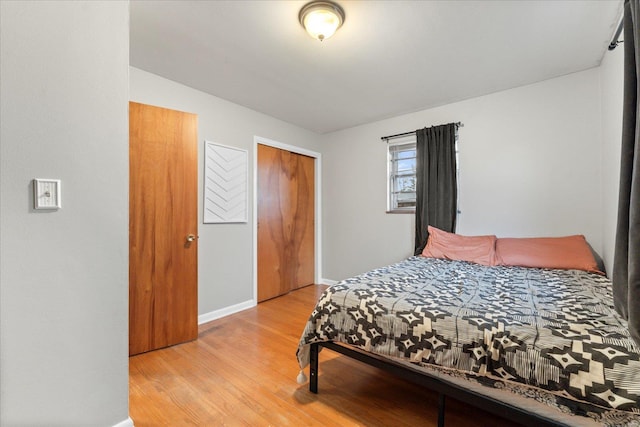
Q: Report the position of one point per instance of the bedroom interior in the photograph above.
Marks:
(541, 99)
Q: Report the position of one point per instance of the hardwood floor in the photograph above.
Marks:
(242, 372)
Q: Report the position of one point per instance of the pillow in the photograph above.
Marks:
(570, 252)
(444, 245)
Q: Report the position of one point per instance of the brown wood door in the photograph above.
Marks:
(286, 221)
(163, 203)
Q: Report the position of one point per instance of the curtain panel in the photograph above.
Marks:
(626, 261)
(436, 181)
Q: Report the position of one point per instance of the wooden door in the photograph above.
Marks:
(163, 203)
(286, 221)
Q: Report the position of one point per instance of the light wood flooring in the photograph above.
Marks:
(241, 371)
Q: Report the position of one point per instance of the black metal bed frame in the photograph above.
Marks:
(444, 388)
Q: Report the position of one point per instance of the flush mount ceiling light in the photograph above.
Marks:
(321, 18)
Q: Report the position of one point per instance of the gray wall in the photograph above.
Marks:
(611, 84)
(225, 258)
(530, 165)
(63, 276)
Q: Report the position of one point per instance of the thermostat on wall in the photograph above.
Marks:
(46, 194)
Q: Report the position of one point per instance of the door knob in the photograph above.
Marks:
(191, 238)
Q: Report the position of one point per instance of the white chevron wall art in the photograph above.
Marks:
(226, 175)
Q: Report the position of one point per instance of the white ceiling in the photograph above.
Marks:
(389, 57)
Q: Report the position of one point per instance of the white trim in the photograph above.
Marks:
(328, 282)
(217, 314)
(126, 423)
(283, 146)
(318, 211)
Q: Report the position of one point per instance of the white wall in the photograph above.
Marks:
(611, 83)
(225, 261)
(63, 276)
(530, 165)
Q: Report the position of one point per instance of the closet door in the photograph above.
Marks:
(163, 226)
(286, 221)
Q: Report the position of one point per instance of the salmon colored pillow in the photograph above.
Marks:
(566, 253)
(444, 245)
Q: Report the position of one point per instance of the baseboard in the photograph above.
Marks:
(217, 314)
(126, 423)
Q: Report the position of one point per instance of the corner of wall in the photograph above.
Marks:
(611, 101)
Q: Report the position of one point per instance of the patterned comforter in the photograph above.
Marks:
(555, 330)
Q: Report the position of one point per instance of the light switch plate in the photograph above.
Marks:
(46, 194)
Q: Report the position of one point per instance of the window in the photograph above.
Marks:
(401, 174)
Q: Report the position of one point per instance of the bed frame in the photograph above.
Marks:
(444, 389)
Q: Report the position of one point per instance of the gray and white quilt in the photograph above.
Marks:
(555, 330)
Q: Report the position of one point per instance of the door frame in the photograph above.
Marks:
(317, 274)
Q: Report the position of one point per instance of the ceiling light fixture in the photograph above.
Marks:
(321, 19)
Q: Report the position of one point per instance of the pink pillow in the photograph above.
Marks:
(567, 253)
(478, 249)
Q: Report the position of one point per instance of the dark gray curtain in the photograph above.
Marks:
(436, 183)
(626, 261)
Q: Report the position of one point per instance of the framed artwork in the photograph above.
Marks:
(226, 177)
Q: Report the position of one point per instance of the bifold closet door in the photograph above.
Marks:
(286, 221)
(163, 227)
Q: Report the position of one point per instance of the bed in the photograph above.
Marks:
(540, 345)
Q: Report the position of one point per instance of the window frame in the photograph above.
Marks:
(408, 140)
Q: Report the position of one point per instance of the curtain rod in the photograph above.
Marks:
(615, 41)
(398, 135)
